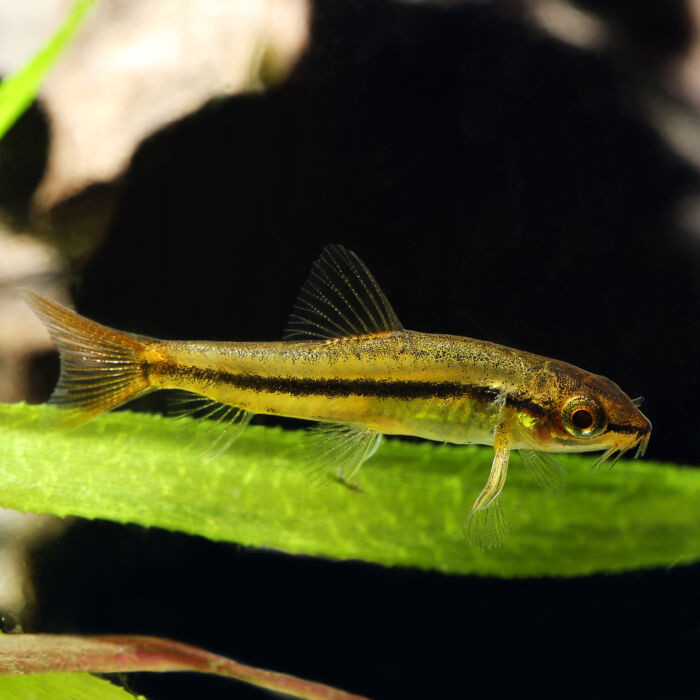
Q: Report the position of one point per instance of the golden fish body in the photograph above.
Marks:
(439, 387)
(349, 363)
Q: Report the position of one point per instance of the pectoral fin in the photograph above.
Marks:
(545, 470)
(487, 527)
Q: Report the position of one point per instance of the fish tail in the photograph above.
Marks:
(101, 368)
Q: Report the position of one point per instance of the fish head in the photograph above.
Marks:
(588, 412)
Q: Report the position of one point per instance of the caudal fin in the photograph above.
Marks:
(100, 368)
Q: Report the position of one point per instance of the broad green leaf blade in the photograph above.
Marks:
(18, 91)
(139, 468)
(61, 686)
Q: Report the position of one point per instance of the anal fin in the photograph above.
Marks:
(342, 449)
(225, 423)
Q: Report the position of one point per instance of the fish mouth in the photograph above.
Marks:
(640, 441)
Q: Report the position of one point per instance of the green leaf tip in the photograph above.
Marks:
(61, 686)
(18, 91)
(141, 468)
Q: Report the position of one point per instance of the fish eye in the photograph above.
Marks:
(583, 417)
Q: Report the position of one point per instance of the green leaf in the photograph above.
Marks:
(61, 686)
(18, 91)
(142, 469)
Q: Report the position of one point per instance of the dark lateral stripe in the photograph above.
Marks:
(336, 388)
(627, 429)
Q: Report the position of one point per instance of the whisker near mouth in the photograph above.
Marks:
(622, 451)
(603, 458)
(642, 445)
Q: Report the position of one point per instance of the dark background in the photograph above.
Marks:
(500, 184)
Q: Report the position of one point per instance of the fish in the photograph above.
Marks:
(347, 363)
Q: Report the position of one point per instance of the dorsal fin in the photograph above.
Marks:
(340, 298)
